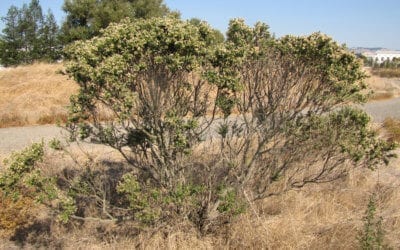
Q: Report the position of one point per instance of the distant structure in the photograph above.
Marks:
(380, 56)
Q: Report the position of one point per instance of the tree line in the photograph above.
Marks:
(31, 35)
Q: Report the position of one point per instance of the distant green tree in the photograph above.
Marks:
(28, 35)
(148, 8)
(50, 43)
(85, 18)
(31, 24)
(11, 40)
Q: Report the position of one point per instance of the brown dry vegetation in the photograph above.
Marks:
(327, 216)
(392, 129)
(383, 87)
(34, 94)
(386, 72)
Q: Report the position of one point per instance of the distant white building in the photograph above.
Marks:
(382, 55)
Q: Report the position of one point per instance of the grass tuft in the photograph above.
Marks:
(392, 128)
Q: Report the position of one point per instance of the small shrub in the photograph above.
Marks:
(19, 186)
(150, 204)
(23, 188)
(67, 208)
(372, 236)
(21, 164)
(55, 144)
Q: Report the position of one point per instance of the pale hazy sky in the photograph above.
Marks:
(364, 23)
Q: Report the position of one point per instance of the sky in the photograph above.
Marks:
(357, 23)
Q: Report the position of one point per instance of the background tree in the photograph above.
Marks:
(31, 25)
(85, 18)
(29, 36)
(51, 47)
(12, 38)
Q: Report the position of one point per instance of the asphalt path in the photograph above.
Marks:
(17, 138)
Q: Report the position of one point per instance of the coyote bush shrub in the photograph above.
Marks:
(262, 110)
(18, 189)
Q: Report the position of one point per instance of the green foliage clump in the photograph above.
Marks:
(21, 169)
(372, 235)
(230, 202)
(142, 203)
(55, 144)
(24, 188)
(150, 205)
(20, 186)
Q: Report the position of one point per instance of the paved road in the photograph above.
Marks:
(379, 110)
(12, 139)
(19, 137)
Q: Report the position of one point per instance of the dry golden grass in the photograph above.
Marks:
(392, 129)
(326, 216)
(386, 72)
(383, 88)
(34, 94)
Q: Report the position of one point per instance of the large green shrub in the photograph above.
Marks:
(261, 110)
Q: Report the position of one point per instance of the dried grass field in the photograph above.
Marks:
(34, 94)
(383, 88)
(325, 216)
